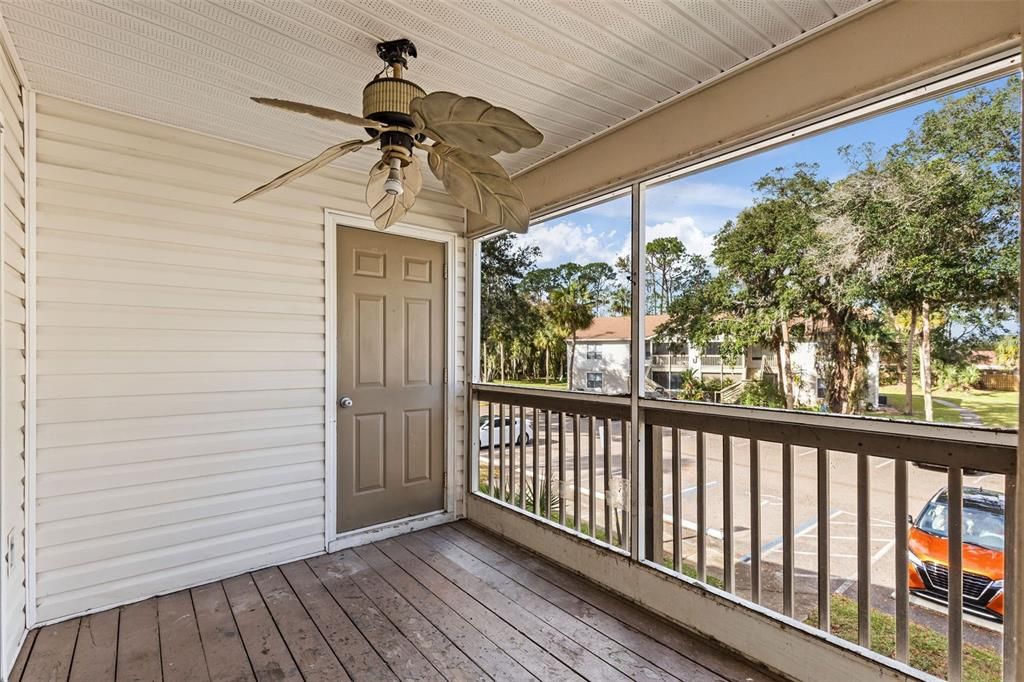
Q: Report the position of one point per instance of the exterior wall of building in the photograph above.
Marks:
(181, 363)
(612, 366)
(13, 364)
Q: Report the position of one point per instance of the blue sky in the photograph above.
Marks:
(695, 207)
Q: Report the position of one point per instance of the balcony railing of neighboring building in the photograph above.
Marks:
(574, 471)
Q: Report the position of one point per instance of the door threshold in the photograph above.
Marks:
(389, 529)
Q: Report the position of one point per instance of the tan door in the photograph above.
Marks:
(391, 343)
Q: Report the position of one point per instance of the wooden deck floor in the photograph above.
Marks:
(450, 603)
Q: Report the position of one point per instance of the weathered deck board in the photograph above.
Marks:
(449, 603)
(95, 658)
(180, 647)
(222, 644)
(488, 655)
(350, 646)
(138, 643)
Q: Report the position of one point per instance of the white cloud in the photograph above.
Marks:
(567, 241)
(686, 196)
(687, 231)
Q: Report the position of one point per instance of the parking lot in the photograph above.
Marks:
(841, 523)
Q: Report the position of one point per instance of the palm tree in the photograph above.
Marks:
(548, 336)
(572, 309)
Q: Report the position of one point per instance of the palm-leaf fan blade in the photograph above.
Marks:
(318, 112)
(481, 185)
(387, 209)
(477, 126)
(316, 163)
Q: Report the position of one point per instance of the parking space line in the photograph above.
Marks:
(692, 488)
(807, 526)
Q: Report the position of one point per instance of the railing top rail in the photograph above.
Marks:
(598, 405)
(990, 450)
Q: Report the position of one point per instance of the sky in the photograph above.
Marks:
(694, 207)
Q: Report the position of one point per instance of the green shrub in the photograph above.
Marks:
(762, 393)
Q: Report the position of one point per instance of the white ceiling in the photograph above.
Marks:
(572, 68)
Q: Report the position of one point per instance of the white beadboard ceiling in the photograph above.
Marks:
(573, 68)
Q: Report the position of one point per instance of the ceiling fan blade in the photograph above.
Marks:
(481, 185)
(477, 126)
(316, 163)
(387, 209)
(318, 112)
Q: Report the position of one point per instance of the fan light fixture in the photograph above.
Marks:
(393, 185)
(399, 116)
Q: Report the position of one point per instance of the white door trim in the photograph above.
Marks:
(333, 219)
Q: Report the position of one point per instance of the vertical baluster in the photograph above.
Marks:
(536, 464)
(677, 502)
(702, 520)
(863, 550)
(501, 451)
(955, 624)
(788, 539)
(549, 491)
(755, 521)
(654, 505)
(902, 579)
(728, 564)
(522, 457)
(490, 448)
(824, 544)
(628, 492)
(591, 477)
(561, 468)
(577, 472)
(609, 525)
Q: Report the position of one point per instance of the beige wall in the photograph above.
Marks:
(181, 357)
(895, 43)
(12, 430)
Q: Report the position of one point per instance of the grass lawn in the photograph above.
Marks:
(927, 647)
(996, 408)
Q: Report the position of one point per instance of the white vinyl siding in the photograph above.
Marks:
(181, 356)
(12, 431)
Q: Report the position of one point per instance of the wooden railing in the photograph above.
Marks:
(581, 455)
(571, 466)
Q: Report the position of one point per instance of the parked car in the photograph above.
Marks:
(513, 429)
(983, 534)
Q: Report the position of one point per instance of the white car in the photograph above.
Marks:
(512, 430)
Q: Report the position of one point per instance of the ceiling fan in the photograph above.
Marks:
(399, 115)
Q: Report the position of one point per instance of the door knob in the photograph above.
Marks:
(345, 402)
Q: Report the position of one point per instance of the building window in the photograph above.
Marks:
(713, 349)
(665, 348)
(595, 380)
(593, 352)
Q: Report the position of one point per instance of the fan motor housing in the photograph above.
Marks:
(387, 100)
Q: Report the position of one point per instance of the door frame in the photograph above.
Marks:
(333, 541)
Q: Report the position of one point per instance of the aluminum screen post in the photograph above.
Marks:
(636, 450)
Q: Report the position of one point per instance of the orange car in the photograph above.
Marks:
(928, 545)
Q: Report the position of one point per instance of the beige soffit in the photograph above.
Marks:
(573, 68)
(854, 61)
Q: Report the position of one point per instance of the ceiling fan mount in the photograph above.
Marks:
(401, 116)
(396, 51)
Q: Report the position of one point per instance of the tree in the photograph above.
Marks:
(671, 271)
(572, 309)
(503, 264)
(1008, 351)
(938, 216)
(764, 254)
